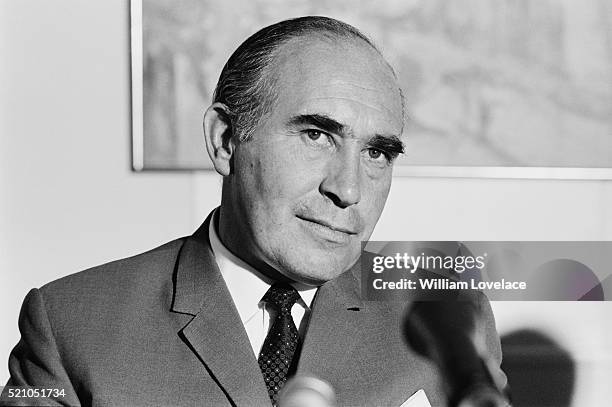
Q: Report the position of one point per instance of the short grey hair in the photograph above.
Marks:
(246, 85)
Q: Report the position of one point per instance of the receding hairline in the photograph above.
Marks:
(333, 39)
(284, 49)
(248, 85)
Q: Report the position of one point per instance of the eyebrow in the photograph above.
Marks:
(321, 121)
(390, 144)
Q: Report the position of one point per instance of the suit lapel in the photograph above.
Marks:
(333, 329)
(216, 333)
(342, 326)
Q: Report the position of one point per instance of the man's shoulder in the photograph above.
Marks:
(133, 275)
(105, 310)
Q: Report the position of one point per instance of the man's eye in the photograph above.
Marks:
(377, 155)
(314, 134)
(318, 138)
(374, 153)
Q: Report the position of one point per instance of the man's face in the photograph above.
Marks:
(312, 181)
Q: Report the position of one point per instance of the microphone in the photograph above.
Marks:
(306, 391)
(445, 330)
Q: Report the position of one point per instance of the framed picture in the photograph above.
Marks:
(492, 88)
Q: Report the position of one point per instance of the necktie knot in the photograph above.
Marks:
(282, 297)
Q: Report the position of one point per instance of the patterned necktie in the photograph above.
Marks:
(282, 340)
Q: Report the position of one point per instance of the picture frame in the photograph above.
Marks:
(491, 90)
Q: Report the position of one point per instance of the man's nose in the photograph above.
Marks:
(342, 183)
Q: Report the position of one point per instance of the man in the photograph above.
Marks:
(304, 129)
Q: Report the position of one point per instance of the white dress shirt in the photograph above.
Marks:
(247, 287)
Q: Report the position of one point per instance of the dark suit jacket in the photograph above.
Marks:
(160, 328)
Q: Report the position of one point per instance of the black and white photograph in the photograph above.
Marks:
(403, 203)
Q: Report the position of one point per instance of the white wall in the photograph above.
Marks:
(68, 199)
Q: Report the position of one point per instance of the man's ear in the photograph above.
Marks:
(218, 136)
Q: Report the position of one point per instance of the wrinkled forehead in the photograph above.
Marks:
(346, 76)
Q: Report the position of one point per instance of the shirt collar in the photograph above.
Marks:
(246, 285)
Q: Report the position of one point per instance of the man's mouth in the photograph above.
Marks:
(328, 230)
(338, 228)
